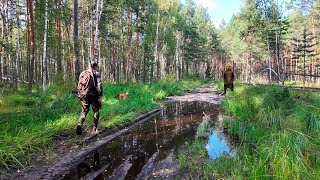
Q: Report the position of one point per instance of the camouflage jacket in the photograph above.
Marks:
(98, 83)
(97, 89)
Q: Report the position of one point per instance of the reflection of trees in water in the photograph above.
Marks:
(169, 130)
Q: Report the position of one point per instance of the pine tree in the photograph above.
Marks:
(304, 48)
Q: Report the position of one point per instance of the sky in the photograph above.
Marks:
(223, 9)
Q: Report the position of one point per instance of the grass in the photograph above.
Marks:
(277, 132)
(31, 123)
(299, 83)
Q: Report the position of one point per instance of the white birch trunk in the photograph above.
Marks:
(89, 26)
(177, 58)
(96, 33)
(156, 45)
(4, 14)
(44, 61)
(269, 59)
(16, 62)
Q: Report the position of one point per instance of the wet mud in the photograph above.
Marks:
(146, 151)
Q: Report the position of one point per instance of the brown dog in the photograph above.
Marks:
(228, 77)
(123, 96)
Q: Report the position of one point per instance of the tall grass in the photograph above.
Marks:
(31, 123)
(277, 134)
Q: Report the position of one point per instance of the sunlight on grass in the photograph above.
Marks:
(110, 101)
(160, 95)
(64, 124)
(119, 119)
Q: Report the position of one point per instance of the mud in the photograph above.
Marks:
(145, 151)
(201, 94)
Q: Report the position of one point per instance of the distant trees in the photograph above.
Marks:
(261, 39)
(147, 40)
(302, 49)
(142, 40)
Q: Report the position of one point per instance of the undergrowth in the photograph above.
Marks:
(277, 132)
(30, 123)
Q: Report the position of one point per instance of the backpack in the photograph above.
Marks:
(85, 85)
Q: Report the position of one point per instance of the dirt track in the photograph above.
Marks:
(164, 169)
(205, 93)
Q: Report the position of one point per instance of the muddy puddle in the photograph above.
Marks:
(134, 154)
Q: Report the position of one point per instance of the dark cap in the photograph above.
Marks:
(93, 64)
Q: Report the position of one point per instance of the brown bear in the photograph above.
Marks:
(228, 77)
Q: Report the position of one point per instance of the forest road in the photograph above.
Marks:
(146, 149)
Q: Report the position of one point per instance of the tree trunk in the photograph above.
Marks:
(33, 45)
(118, 63)
(180, 54)
(156, 44)
(83, 54)
(4, 15)
(277, 58)
(92, 36)
(129, 63)
(76, 40)
(1, 50)
(269, 58)
(314, 40)
(44, 61)
(137, 60)
(96, 35)
(1, 66)
(177, 57)
(16, 63)
(59, 39)
(124, 65)
(144, 69)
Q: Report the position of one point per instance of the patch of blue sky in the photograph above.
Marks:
(224, 9)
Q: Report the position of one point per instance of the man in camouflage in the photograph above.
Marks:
(94, 99)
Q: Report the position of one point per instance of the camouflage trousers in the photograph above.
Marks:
(95, 104)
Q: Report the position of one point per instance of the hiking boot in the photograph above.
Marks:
(79, 130)
(94, 130)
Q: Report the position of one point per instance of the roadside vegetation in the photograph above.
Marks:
(31, 124)
(276, 132)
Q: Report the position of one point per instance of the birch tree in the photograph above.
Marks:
(98, 11)
(16, 72)
(4, 16)
(44, 61)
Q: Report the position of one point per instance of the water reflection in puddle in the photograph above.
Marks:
(130, 155)
(218, 146)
